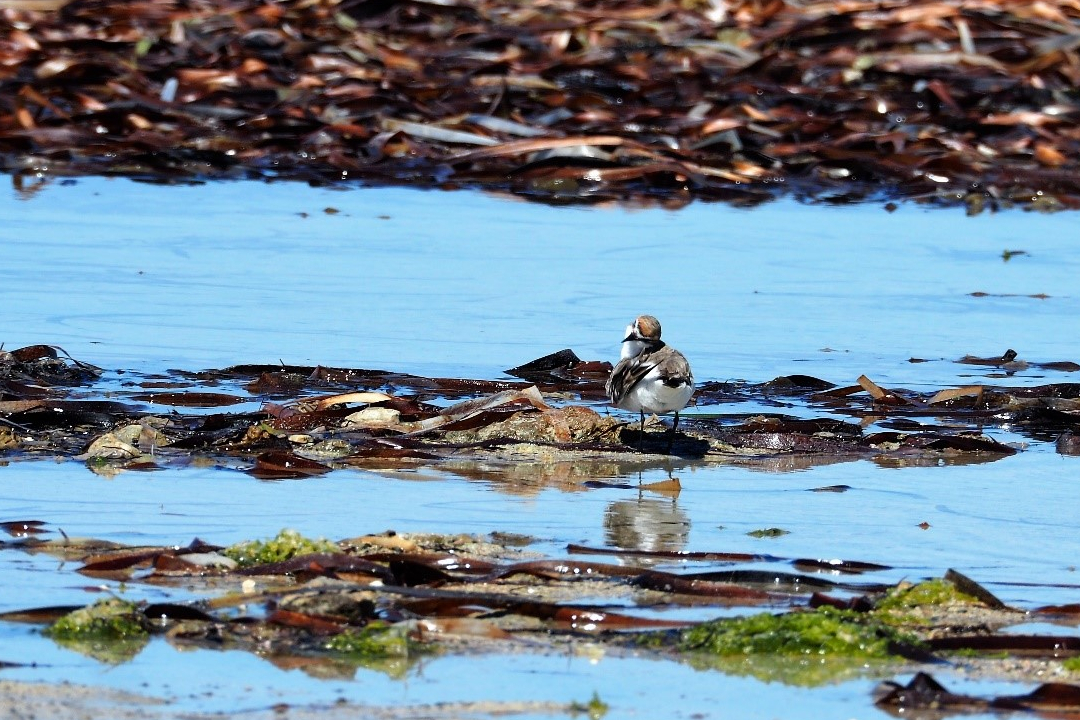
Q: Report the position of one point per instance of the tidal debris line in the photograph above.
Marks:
(944, 101)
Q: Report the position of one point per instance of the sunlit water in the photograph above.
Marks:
(148, 278)
(131, 274)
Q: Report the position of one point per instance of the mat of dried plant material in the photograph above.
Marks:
(386, 600)
(280, 421)
(951, 101)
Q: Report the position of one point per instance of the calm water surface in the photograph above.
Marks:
(204, 276)
(141, 277)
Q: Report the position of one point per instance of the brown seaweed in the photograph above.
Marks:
(936, 100)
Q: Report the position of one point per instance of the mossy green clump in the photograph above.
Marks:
(112, 630)
(825, 631)
(111, 618)
(772, 532)
(376, 640)
(285, 546)
(378, 646)
(595, 708)
(1072, 664)
(899, 601)
(806, 649)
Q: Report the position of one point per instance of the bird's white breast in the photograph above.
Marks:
(651, 395)
(630, 348)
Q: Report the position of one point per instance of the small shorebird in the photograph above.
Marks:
(652, 376)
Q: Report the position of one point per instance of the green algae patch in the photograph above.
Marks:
(595, 708)
(824, 631)
(384, 648)
(930, 592)
(377, 640)
(111, 618)
(1072, 664)
(772, 532)
(807, 649)
(111, 631)
(285, 546)
(907, 604)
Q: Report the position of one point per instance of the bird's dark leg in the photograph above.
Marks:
(641, 434)
(671, 436)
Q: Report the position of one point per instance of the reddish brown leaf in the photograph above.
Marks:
(969, 587)
(847, 567)
(1070, 609)
(34, 352)
(121, 559)
(322, 564)
(1047, 698)
(281, 464)
(22, 528)
(953, 393)
(722, 592)
(1021, 645)
(190, 399)
(879, 394)
(313, 624)
(672, 554)
(41, 615)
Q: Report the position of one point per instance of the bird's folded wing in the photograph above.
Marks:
(627, 374)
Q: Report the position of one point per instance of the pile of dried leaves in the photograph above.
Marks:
(953, 101)
(301, 421)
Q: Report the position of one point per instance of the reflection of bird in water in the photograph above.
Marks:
(652, 376)
(646, 524)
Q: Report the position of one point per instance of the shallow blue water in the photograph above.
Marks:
(126, 273)
(143, 277)
(230, 682)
